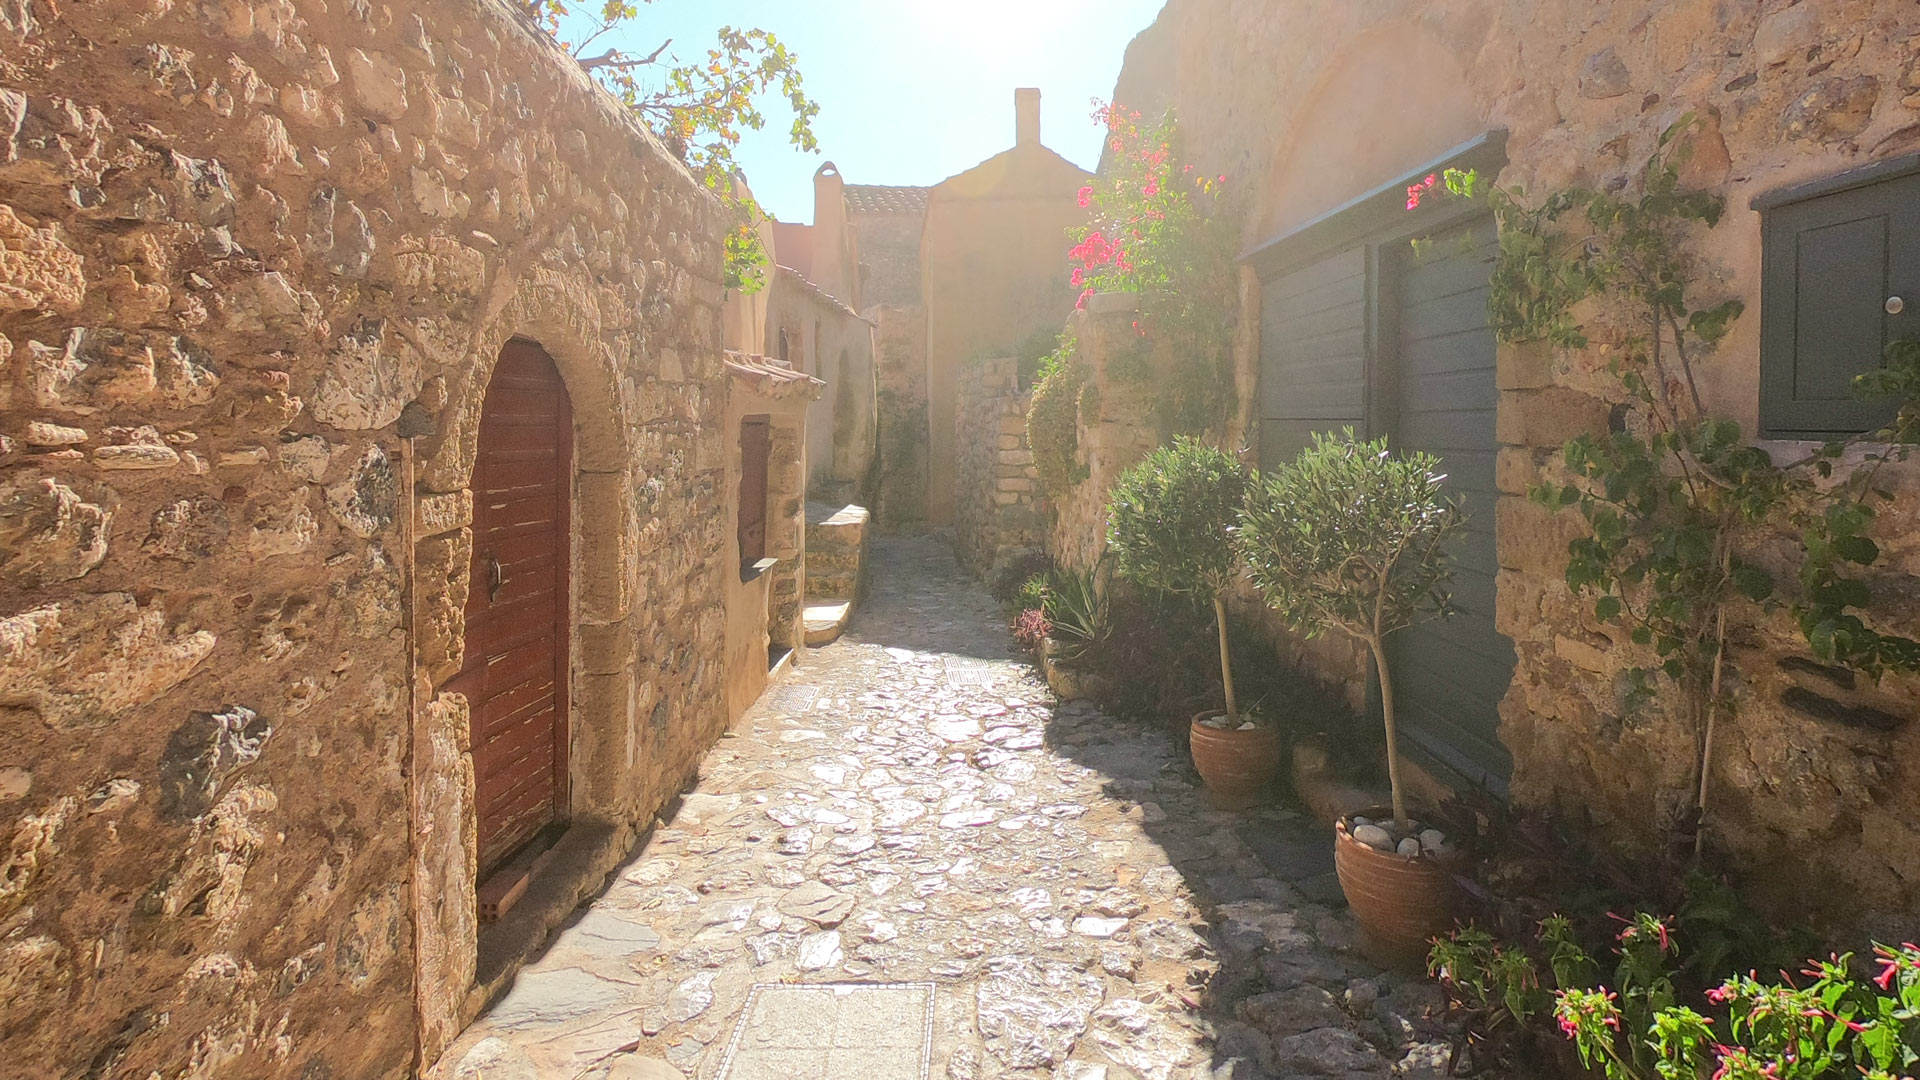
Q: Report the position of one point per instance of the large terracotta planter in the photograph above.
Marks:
(1238, 766)
(1402, 901)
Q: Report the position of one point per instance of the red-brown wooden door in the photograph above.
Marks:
(515, 677)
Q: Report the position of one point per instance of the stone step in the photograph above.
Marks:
(825, 620)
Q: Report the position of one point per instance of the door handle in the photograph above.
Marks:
(496, 578)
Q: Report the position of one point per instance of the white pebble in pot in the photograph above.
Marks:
(1374, 837)
(1433, 841)
(1409, 846)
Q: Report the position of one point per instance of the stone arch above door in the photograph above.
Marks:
(1388, 100)
(556, 312)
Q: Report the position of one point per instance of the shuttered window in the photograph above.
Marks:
(756, 445)
(1840, 280)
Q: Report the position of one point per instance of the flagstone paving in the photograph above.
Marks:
(912, 807)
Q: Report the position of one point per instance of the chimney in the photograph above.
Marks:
(1026, 117)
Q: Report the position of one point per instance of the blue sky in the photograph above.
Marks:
(911, 91)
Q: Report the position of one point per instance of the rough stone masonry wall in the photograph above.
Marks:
(238, 238)
(997, 507)
(1115, 428)
(899, 490)
(1813, 783)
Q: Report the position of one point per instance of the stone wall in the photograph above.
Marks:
(997, 497)
(899, 488)
(1307, 113)
(259, 259)
(1115, 428)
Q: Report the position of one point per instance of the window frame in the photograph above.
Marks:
(1781, 416)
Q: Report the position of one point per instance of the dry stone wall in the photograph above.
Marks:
(1814, 783)
(998, 510)
(248, 249)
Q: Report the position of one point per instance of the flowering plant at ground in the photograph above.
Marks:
(1163, 228)
(1031, 628)
(1831, 1020)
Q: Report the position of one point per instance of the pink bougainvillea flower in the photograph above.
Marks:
(1430, 181)
(1081, 304)
(1079, 276)
(1150, 188)
(1086, 196)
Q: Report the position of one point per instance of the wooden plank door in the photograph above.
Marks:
(515, 677)
(1450, 675)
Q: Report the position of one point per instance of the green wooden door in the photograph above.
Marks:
(1449, 676)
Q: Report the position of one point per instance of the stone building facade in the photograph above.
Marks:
(1325, 117)
(828, 340)
(998, 513)
(990, 263)
(262, 261)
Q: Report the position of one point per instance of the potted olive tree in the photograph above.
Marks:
(1170, 527)
(1351, 538)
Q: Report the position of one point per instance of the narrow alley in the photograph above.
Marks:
(972, 882)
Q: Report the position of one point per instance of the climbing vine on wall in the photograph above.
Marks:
(1676, 501)
(1053, 418)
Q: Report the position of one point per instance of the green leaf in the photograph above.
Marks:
(1856, 549)
(1753, 582)
(1607, 608)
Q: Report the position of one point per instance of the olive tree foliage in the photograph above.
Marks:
(1352, 538)
(700, 107)
(1170, 522)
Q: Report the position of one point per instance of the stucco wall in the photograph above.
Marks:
(751, 615)
(1310, 111)
(993, 264)
(834, 345)
(241, 238)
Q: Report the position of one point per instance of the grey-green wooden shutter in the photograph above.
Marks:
(1313, 353)
(1830, 265)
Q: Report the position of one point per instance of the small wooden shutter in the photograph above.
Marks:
(756, 444)
(1830, 265)
(1313, 354)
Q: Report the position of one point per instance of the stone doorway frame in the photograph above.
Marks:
(455, 972)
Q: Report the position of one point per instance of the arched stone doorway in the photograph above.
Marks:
(516, 671)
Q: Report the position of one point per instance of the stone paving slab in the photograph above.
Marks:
(912, 806)
(874, 1031)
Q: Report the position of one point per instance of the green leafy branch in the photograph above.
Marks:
(701, 108)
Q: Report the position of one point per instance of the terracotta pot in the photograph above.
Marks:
(1238, 766)
(1402, 901)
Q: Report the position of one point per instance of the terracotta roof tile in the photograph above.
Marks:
(875, 199)
(773, 378)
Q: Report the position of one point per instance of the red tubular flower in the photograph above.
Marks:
(1889, 968)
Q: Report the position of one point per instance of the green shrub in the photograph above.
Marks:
(1170, 527)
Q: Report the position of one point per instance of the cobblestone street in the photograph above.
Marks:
(910, 807)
